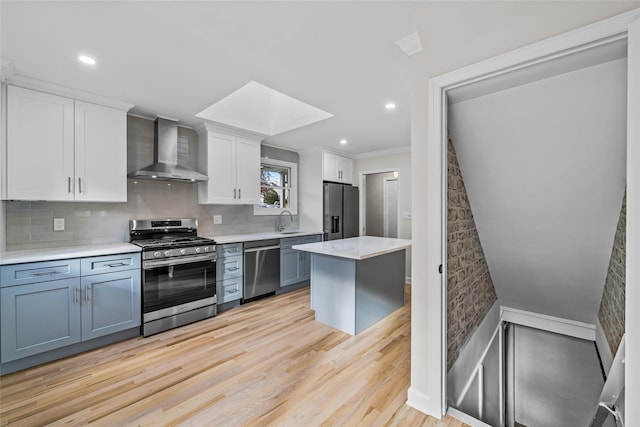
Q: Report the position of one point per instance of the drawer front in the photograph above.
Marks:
(229, 249)
(110, 263)
(288, 242)
(35, 272)
(230, 290)
(229, 268)
(311, 239)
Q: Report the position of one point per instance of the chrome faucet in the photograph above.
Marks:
(280, 226)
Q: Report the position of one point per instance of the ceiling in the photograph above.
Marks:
(175, 58)
(544, 165)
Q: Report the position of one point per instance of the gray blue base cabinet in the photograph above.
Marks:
(295, 266)
(53, 304)
(229, 273)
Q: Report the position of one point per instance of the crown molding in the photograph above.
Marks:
(29, 83)
(382, 153)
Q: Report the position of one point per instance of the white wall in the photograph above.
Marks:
(455, 34)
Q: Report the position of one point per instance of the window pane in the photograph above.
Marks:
(277, 176)
(275, 197)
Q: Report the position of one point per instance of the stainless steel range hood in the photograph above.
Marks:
(165, 156)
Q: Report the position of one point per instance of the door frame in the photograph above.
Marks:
(432, 400)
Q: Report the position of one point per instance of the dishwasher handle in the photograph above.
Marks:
(261, 248)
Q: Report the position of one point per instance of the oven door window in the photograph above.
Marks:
(178, 284)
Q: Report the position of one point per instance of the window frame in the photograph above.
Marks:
(293, 188)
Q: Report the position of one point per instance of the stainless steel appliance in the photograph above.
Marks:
(165, 165)
(178, 273)
(340, 211)
(261, 268)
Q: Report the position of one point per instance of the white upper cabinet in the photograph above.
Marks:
(59, 149)
(100, 153)
(232, 163)
(336, 168)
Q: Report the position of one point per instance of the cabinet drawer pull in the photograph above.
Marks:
(232, 269)
(45, 273)
(232, 291)
(116, 264)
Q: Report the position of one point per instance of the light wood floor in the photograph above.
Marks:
(262, 364)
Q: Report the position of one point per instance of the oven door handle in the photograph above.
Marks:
(148, 265)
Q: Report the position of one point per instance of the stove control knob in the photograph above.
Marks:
(207, 248)
(198, 250)
(167, 253)
(183, 251)
(157, 254)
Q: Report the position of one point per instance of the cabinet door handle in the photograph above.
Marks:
(234, 193)
(80, 185)
(239, 194)
(116, 264)
(44, 273)
(86, 293)
(75, 295)
(69, 184)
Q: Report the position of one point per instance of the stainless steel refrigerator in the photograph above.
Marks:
(341, 210)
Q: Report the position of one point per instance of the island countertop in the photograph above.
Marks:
(357, 248)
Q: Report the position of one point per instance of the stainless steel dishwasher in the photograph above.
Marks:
(261, 268)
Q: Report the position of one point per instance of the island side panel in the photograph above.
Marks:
(333, 291)
(379, 288)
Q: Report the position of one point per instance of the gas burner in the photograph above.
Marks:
(170, 238)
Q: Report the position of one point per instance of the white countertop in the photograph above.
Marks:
(357, 248)
(49, 254)
(238, 238)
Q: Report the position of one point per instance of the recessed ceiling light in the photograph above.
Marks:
(343, 141)
(87, 60)
(390, 106)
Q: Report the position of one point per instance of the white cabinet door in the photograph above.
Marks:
(219, 166)
(100, 153)
(346, 169)
(248, 171)
(40, 146)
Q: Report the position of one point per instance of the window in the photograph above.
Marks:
(278, 189)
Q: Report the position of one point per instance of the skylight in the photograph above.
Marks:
(260, 109)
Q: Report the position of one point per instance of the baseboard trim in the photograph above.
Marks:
(572, 328)
(465, 418)
(422, 403)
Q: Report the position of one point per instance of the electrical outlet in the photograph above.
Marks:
(58, 224)
(217, 219)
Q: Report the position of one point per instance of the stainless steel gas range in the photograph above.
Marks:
(178, 273)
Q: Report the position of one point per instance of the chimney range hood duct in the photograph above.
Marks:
(165, 156)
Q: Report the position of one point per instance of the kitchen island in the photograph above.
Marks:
(358, 281)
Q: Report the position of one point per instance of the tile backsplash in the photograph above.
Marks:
(29, 224)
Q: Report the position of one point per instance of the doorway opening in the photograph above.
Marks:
(380, 210)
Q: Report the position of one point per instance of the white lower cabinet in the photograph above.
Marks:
(53, 304)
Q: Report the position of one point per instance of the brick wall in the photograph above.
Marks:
(470, 291)
(611, 313)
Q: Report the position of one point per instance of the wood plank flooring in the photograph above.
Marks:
(267, 363)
